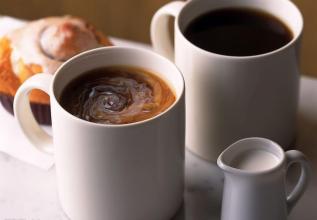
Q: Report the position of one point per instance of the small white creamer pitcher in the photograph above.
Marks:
(255, 172)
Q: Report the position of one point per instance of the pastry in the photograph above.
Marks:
(38, 47)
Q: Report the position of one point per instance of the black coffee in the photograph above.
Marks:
(238, 32)
(116, 95)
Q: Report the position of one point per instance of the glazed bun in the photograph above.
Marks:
(64, 39)
(51, 41)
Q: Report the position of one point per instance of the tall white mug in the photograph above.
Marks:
(117, 172)
(231, 97)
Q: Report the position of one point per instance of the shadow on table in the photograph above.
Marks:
(203, 193)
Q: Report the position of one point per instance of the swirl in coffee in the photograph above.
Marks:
(116, 95)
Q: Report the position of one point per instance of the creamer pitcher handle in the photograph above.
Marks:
(23, 113)
(294, 156)
(160, 36)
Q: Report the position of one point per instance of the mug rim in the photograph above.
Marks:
(227, 168)
(101, 50)
(262, 55)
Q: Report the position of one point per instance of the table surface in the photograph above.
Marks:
(29, 193)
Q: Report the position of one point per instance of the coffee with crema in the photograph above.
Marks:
(255, 160)
(117, 95)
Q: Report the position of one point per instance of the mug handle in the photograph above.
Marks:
(160, 36)
(294, 156)
(23, 113)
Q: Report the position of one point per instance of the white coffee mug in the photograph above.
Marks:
(255, 188)
(231, 97)
(117, 172)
